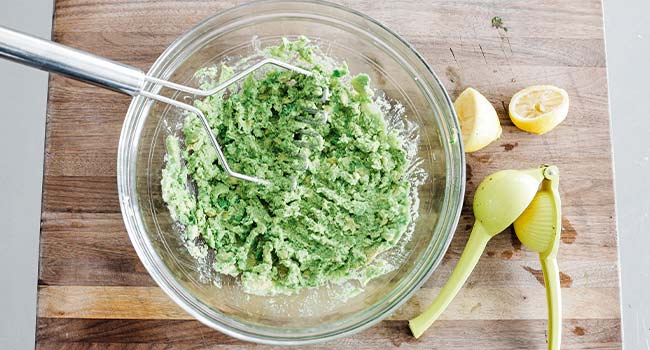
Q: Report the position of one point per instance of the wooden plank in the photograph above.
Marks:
(126, 270)
(107, 302)
(88, 249)
(180, 334)
(95, 194)
(474, 303)
(584, 195)
(546, 19)
(492, 48)
(94, 249)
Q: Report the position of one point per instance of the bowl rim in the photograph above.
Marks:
(126, 179)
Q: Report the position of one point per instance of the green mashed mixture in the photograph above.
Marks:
(339, 193)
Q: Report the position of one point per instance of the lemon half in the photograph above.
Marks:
(479, 122)
(539, 109)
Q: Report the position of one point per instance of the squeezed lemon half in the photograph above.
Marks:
(479, 123)
(539, 108)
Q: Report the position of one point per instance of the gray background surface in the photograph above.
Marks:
(23, 97)
(627, 41)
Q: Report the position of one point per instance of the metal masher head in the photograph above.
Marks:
(222, 86)
(306, 135)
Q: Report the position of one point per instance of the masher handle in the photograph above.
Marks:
(56, 58)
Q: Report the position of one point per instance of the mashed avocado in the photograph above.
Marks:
(339, 194)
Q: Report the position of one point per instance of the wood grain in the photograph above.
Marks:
(471, 303)
(95, 294)
(185, 334)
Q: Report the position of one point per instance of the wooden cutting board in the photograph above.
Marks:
(94, 293)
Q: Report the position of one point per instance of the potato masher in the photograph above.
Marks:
(52, 57)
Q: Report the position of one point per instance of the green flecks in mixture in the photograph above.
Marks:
(497, 23)
(339, 194)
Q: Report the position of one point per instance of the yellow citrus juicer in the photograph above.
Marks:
(530, 200)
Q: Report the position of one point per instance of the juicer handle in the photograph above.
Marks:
(553, 301)
(478, 239)
(56, 58)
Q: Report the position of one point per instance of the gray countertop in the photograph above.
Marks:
(23, 96)
(627, 42)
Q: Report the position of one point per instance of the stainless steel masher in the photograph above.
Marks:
(52, 57)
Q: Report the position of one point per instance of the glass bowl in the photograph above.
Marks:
(314, 314)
